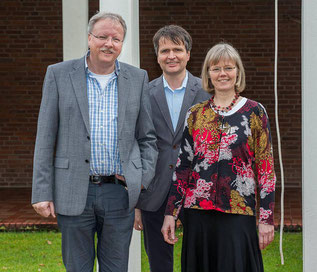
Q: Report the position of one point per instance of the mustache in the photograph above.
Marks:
(106, 50)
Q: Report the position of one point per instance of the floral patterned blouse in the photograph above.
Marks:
(222, 161)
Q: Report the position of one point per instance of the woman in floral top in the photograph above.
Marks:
(225, 157)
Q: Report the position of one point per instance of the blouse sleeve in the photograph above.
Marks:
(264, 163)
(182, 172)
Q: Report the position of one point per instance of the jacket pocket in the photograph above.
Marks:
(137, 163)
(61, 162)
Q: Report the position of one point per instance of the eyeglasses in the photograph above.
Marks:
(226, 69)
(113, 40)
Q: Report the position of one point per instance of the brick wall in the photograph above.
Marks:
(249, 26)
(31, 39)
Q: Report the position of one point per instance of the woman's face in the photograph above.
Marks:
(223, 75)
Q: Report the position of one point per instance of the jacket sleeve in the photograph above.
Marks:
(182, 172)
(264, 167)
(43, 170)
(146, 136)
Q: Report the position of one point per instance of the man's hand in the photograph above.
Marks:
(120, 177)
(45, 208)
(168, 230)
(138, 220)
(266, 235)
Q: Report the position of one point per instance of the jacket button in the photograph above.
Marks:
(88, 137)
(86, 161)
(170, 166)
(174, 146)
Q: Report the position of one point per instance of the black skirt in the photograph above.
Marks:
(220, 242)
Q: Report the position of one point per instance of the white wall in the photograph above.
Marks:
(309, 133)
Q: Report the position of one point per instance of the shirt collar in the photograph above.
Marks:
(184, 84)
(116, 69)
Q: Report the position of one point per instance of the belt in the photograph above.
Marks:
(106, 179)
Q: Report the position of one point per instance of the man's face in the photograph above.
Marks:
(172, 57)
(105, 42)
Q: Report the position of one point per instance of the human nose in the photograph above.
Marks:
(171, 55)
(222, 71)
(108, 41)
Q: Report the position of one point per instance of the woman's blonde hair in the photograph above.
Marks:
(222, 51)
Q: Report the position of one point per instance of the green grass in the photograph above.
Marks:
(293, 253)
(41, 251)
(30, 251)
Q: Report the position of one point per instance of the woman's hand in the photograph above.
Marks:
(168, 230)
(266, 235)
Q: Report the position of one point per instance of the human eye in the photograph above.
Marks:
(116, 40)
(229, 69)
(164, 51)
(215, 69)
(103, 38)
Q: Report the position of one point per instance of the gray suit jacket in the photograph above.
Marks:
(62, 148)
(168, 140)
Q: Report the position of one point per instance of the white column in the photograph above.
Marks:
(309, 133)
(75, 19)
(129, 10)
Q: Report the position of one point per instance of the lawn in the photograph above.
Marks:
(40, 251)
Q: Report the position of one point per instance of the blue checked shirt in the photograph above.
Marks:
(175, 99)
(103, 118)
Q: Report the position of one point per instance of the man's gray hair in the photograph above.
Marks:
(101, 15)
(174, 33)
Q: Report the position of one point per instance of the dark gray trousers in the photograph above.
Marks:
(160, 253)
(106, 213)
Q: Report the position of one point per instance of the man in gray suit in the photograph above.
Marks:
(95, 149)
(171, 95)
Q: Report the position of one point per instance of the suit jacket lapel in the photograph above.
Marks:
(78, 78)
(161, 101)
(190, 93)
(123, 96)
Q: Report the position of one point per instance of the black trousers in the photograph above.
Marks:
(159, 252)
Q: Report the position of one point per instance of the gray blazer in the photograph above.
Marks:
(62, 148)
(168, 140)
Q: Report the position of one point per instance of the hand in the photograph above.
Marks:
(120, 177)
(168, 230)
(138, 220)
(266, 235)
(45, 208)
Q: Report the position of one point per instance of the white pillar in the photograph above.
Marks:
(75, 19)
(309, 133)
(129, 10)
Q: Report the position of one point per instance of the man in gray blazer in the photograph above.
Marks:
(171, 95)
(95, 149)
